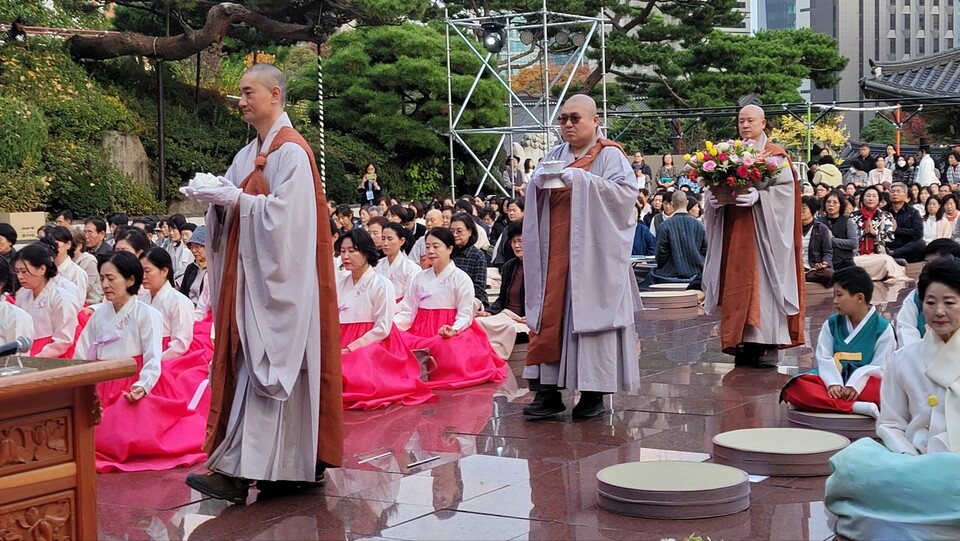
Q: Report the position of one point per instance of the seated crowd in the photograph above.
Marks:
(110, 289)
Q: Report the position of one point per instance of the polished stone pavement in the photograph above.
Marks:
(498, 476)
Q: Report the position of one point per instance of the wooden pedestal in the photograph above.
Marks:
(47, 471)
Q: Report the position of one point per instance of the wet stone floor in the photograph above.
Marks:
(500, 477)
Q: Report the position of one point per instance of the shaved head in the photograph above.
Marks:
(584, 103)
(751, 122)
(270, 77)
(433, 218)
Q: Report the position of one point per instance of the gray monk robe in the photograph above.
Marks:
(272, 429)
(753, 268)
(597, 341)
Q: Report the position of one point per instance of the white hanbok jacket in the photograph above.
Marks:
(452, 288)
(54, 313)
(14, 322)
(908, 319)
(71, 271)
(827, 367)
(372, 299)
(134, 330)
(913, 408)
(176, 316)
(400, 273)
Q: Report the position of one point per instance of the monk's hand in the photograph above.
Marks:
(849, 393)
(447, 331)
(520, 320)
(835, 391)
(748, 199)
(483, 313)
(713, 201)
(225, 195)
(136, 393)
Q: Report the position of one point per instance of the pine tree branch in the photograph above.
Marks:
(219, 20)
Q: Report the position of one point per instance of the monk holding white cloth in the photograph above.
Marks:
(582, 337)
(907, 488)
(753, 267)
(276, 413)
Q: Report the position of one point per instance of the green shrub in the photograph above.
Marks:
(86, 119)
(22, 189)
(23, 133)
(84, 181)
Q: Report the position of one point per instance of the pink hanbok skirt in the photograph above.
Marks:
(462, 361)
(380, 374)
(166, 428)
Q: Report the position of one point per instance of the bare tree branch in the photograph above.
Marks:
(219, 20)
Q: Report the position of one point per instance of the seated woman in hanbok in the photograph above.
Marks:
(14, 321)
(141, 427)
(53, 309)
(378, 368)
(907, 488)
(396, 266)
(437, 314)
(911, 325)
(504, 320)
(62, 240)
(176, 310)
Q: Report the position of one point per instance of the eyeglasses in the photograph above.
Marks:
(574, 119)
(460, 231)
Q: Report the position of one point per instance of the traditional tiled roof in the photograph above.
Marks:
(934, 76)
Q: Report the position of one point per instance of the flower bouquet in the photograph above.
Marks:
(731, 168)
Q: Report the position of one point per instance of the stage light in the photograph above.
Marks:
(561, 38)
(527, 37)
(494, 36)
(579, 39)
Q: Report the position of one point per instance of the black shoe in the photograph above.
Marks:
(545, 404)
(752, 356)
(900, 261)
(278, 489)
(589, 406)
(220, 486)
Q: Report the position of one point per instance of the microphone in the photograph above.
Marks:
(20, 345)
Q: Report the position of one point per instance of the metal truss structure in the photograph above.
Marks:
(524, 117)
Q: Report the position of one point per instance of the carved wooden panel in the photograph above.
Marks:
(49, 518)
(32, 442)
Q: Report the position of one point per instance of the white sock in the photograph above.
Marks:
(866, 408)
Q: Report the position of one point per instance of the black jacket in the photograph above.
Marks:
(508, 273)
(820, 249)
(909, 226)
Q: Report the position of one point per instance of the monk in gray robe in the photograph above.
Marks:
(753, 267)
(276, 402)
(581, 293)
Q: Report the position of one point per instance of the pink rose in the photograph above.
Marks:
(748, 160)
(710, 166)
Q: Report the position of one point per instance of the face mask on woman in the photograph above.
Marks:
(902, 163)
